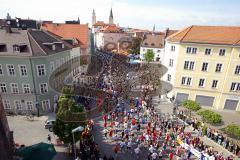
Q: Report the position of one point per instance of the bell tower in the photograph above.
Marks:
(93, 17)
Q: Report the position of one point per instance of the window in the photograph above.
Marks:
(214, 83)
(16, 49)
(11, 70)
(46, 105)
(201, 82)
(189, 65)
(14, 87)
(41, 70)
(172, 48)
(222, 52)
(191, 50)
(26, 88)
(29, 105)
(6, 104)
(235, 86)
(23, 70)
(52, 66)
(3, 88)
(169, 77)
(43, 88)
(208, 51)
(237, 70)
(186, 81)
(18, 105)
(170, 62)
(205, 66)
(218, 67)
(158, 51)
(1, 70)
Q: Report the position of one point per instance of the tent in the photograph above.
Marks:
(40, 151)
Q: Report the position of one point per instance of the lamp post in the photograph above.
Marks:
(78, 129)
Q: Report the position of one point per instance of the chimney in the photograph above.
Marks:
(53, 47)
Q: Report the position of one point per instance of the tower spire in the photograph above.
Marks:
(111, 17)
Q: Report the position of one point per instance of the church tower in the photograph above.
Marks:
(93, 17)
(111, 17)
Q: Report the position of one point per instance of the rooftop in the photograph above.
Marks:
(69, 31)
(30, 43)
(153, 40)
(220, 35)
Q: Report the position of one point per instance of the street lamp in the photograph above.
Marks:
(78, 129)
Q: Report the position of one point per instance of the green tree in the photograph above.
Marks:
(136, 44)
(69, 116)
(149, 55)
(191, 105)
(210, 116)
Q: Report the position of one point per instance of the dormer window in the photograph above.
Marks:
(21, 48)
(152, 44)
(16, 49)
(3, 47)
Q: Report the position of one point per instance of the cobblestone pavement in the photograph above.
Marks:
(31, 132)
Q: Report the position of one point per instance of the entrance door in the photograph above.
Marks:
(205, 100)
(231, 104)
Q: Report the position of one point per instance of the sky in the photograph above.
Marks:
(174, 14)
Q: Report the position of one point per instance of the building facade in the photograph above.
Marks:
(204, 66)
(6, 136)
(27, 59)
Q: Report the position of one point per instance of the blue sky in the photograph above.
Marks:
(133, 13)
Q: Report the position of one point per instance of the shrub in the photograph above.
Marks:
(233, 129)
(210, 116)
(191, 105)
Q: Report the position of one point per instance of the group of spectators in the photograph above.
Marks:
(212, 134)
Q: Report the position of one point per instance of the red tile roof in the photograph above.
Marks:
(111, 29)
(222, 35)
(69, 31)
(100, 23)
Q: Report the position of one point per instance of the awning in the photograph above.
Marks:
(40, 151)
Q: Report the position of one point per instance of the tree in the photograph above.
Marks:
(149, 55)
(69, 116)
(191, 105)
(210, 116)
(136, 44)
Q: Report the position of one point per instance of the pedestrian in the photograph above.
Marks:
(49, 138)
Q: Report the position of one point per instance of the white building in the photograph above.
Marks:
(153, 42)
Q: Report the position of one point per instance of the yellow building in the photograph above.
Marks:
(207, 65)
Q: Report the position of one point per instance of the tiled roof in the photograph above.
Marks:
(42, 38)
(111, 29)
(170, 32)
(100, 23)
(34, 40)
(153, 41)
(69, 31)
(221, 35)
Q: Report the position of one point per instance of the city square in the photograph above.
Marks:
(70, 89)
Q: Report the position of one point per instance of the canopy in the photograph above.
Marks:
(40, 151)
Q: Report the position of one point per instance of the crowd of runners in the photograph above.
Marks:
(136, 128)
